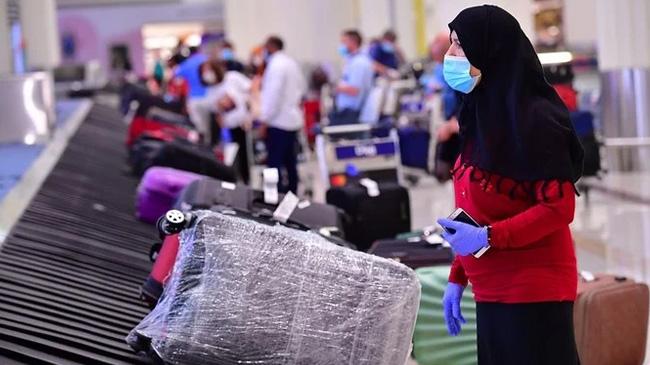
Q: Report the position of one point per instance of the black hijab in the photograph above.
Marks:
(513, 123)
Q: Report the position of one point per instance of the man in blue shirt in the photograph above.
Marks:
(385, 54)
(196, 108)
(356, 80)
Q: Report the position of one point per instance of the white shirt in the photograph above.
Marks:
(283, 86)
(236, 86)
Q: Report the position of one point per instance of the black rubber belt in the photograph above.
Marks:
(70, 269)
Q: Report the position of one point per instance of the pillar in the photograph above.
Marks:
(623, 37)
(40, 33)
(5, 39)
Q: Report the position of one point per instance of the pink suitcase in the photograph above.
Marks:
(159, 189)
(611, 321)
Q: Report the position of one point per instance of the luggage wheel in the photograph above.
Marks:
(173, 222)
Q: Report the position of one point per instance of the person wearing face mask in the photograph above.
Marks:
(227, 55)
(228, 100)
(190, 71)
(211, 74)
(283, 86)
(520, 158)
(356, 80)
(386, 56)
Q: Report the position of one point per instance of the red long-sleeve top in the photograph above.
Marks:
(532, 258)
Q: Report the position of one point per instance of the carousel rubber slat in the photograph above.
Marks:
(70, 269)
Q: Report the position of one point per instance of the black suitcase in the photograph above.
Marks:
(592, 155)
(198, 159)
(414, 252)
(446, 154)
(583, 122)
(207, 193)
(142, 152)
(372, 218)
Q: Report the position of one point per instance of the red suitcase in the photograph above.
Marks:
(611, 321)
(162, 268)
(140, 125)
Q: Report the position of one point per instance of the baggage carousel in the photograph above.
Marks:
(71, 267)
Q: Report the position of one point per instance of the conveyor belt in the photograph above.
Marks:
(71, 268)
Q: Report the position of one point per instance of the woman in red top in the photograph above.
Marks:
(515, 176)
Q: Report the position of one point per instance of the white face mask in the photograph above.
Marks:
(209, 77)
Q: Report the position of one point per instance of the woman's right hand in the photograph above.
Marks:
(451, 308)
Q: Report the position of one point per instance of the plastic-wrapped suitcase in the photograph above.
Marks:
(611, 321)
(188, 157)
(243, 291)
(158, 191)
(372, 218)
(414, 252)
(432, 345)
(414, 147)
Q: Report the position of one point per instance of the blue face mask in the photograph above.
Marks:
(387, 47)
(227, 54)
(343, 50)
(456, 73)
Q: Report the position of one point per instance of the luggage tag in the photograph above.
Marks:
(230, 151)
(304, 204)
(271, 178)
(587, 276)
(286, 207)
(228, 185)
(371, 187)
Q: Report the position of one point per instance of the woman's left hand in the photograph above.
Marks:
(466, 238)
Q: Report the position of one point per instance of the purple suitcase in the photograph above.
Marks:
(158, 191)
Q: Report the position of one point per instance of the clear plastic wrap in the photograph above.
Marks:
(244, 292)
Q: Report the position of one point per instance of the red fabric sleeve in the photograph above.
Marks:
(457, 273)
(537, 221)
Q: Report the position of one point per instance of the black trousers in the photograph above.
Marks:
(281, 147)
(241, 162)
(528, 333)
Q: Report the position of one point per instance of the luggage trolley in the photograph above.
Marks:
(376, 157)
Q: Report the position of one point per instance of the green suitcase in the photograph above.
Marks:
(432, 345)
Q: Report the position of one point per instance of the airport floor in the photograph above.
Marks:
(611, 230)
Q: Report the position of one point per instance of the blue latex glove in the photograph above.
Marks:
(451, 308)
(466, 238)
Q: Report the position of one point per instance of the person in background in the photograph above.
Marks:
(189, 70)
(229, 101)
(560, 76)
(386, 55)
(448, 142)
(520, 158)
(283, 86)
(177, 88)
(227, 55)
(356, 80)
(211, 75)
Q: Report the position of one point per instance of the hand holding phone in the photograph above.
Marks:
(464, 234)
